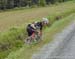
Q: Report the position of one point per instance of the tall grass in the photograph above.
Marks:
(19, 17)
(26, 51)
(13, 39)
(10, 41)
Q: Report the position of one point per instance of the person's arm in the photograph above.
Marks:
(33, 29)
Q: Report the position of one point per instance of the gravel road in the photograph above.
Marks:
(62, 47)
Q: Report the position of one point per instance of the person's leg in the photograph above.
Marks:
(40, 32)
(33, 35)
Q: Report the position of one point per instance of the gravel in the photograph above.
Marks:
(62, 47)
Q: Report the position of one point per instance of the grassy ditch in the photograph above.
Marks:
(27, 51)
(12, 39)
(20, 17)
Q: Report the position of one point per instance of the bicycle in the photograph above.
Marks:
(37, 38)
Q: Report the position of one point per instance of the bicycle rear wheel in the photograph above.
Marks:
(28, 40)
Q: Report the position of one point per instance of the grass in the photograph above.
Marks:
(27, 51)
(18, 17)
(12, 39)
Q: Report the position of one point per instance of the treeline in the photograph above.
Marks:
(9, 4)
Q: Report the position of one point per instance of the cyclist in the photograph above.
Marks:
(39, 25)
(30, 30)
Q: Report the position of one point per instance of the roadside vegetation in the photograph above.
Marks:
(13, 39)
(22, 17)
(10, 4)
(27, 51)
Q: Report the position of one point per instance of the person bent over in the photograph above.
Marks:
(39, 25)
(31, 30)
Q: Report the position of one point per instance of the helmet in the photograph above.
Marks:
(45, 20)
(36, 22)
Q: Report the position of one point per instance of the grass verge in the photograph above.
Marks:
(19, 17)
(26, 51)
(12, 39)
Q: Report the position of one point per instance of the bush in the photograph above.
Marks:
(42, 3)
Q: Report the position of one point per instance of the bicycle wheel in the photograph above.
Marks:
(28, 40)
(37, 37)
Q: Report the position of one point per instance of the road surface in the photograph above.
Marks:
(63, 46)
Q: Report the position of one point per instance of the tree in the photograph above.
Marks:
(7, 4)
(42, 2)
(3, 4)
(10, 4)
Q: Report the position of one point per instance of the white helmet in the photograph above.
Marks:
(45, 20)
(36, 22)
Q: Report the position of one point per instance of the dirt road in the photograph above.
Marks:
(62, 47)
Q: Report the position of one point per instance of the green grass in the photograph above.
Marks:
(22, 17)
(12, 39)
(27, 51)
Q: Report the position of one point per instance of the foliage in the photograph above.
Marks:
(27, 51)
(13, 38)
(7, 4)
